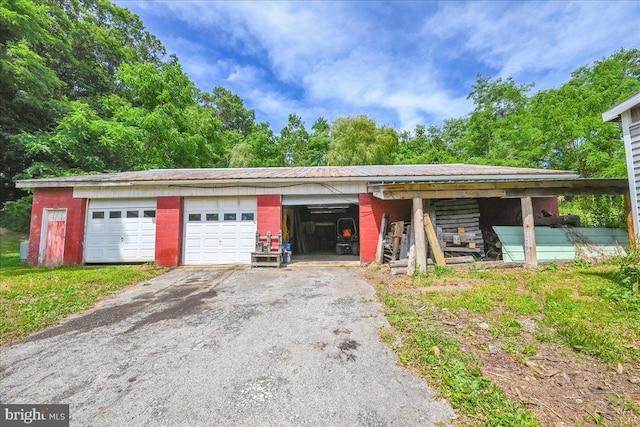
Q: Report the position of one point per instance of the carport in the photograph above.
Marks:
(493, 190)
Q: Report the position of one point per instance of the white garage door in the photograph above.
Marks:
(219, 230)
(121, 231)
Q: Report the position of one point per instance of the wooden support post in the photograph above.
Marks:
(436, 250)
(381, 234)
(411, 256)
(631, 229)
(530, 251)
(420, 240)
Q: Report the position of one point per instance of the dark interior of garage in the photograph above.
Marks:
(313, 230)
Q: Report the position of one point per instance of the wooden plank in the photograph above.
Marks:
(464, 237)
(420, 241)
(630, 223)
(459, 259)
(433, 241)
(381, 234)
(530, 250)
(404, 195)
(462, 249)
(411, 256)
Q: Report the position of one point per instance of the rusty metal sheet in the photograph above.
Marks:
(455, 172)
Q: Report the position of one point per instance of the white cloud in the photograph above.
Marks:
(393, 60)
(520, 39)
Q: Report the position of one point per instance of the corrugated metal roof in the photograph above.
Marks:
(418, 173)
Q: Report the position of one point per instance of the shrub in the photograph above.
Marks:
(16, 215)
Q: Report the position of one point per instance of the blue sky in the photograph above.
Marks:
(400, 62)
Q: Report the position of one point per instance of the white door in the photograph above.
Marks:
(121, 231)
(219, 230)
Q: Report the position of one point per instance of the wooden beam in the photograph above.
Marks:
(530, 250)
(433, 241)
(381, 234)
(448, 194)
(420, 240)
(631, 229)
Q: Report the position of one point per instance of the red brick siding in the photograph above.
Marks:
(269, 214)
(51, 198)
(168, 231)
(371, 211)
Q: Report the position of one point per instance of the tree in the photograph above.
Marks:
(53, 52)
(155, 123)
(425, 146)
(294, 142)
(492, 125)
(229, 109)
(359, 141)
(318, 144)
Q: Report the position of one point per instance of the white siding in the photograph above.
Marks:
(631, 132)
(209, 190)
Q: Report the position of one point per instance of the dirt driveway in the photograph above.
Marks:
(230, 346)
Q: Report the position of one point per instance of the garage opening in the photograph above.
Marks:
(322, 228)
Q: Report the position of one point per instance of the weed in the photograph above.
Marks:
(628, 273)
(581, 263)
(552, 266)
(625, 404)
(440, 271)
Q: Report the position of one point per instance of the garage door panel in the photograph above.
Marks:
(216, 234)
(120, 230)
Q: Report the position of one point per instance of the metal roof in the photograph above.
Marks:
(391, 173)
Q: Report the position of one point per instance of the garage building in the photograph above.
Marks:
(211, 216)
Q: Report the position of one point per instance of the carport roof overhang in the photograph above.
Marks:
(500, 188)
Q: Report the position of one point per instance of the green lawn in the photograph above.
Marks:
(32, 299)
(579, 307)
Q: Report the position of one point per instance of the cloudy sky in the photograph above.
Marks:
(400, 62)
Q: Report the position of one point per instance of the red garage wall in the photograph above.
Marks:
(269, 214)
(371, 211)
(52, 198)
(168, 231)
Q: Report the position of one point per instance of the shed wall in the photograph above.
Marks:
(371, 212)
(51, 198)
(269, 214)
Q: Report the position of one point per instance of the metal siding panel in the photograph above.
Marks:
(558, 244)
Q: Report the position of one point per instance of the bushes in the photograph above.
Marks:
(628, 273)
(16, 215)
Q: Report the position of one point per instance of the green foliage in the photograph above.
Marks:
(596, 211)
(16, 215)
(359, 141)
(51, 53)
(628, 273)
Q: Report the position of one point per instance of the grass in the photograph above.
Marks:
(581, 307)
(32, 299)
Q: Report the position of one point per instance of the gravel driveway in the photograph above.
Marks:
(224, 346)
